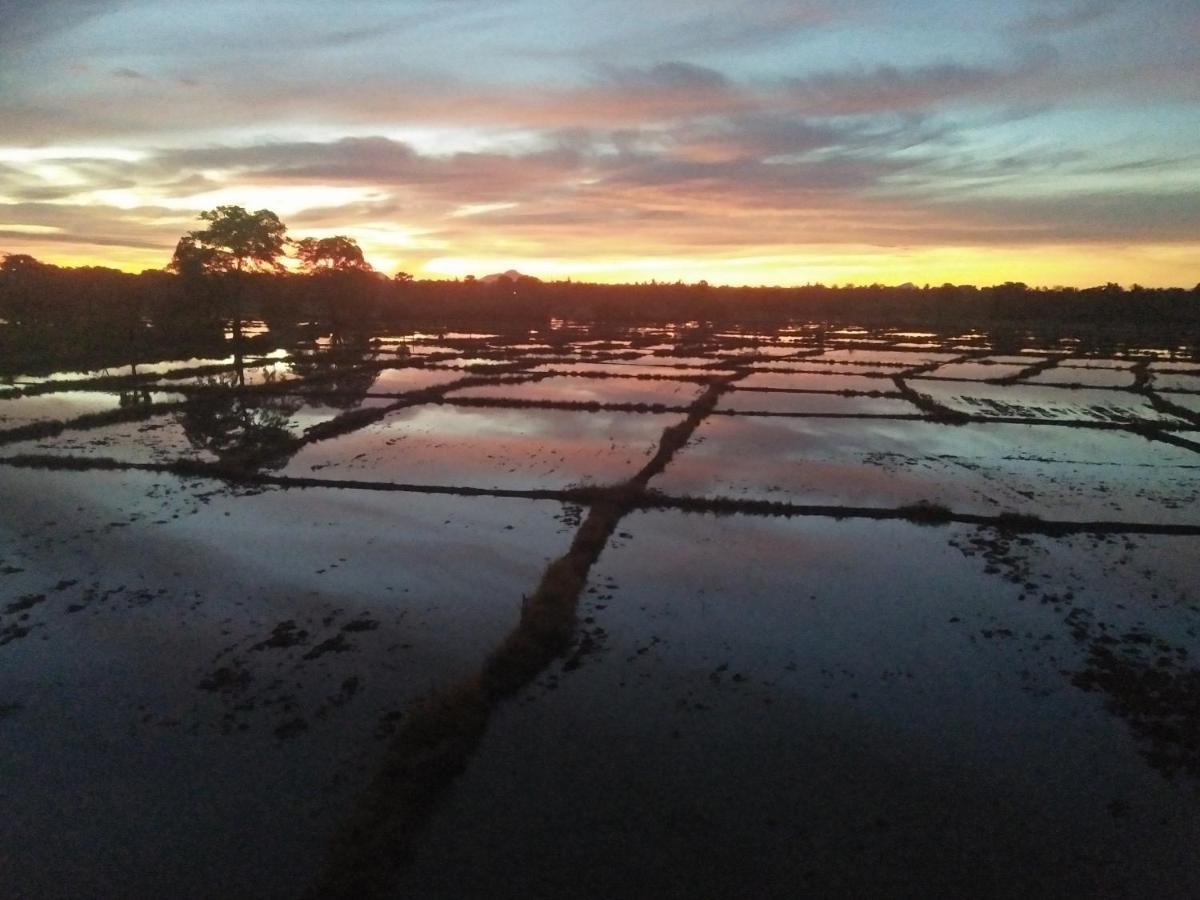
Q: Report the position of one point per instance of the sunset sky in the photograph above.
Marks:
(774, 141)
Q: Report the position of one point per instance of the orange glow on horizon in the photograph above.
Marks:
(1169, 265)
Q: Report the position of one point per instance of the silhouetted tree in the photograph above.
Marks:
(344, 282)
(18, 263)
(235, 242)
(241, 240)
(193, 261)
(22, 280)
(197, 268)
(331, 254)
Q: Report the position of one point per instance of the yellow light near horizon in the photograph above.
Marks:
(390, 250)
(1150, 265)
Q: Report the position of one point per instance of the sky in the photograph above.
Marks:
(766, 142)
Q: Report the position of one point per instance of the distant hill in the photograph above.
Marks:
(511, 275)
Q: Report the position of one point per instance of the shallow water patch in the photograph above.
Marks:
(755, 705)
(222, 672)
(565, 389)
(489, 448)
(1065, 473)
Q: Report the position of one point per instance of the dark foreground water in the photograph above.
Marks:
(900, 617)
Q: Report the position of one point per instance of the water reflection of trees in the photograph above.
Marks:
(247, 430)
(342, 375)
(253, 428)
(135, 397)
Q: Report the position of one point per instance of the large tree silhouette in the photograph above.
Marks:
(234, 243)
(345, 282)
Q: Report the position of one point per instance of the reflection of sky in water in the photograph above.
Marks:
(196, 578)
(883, 356)
(815, 381)
(819, 683)
(1046, 470)
(1117, 378)
(860, 462)
(806, 364)
(1022, 360)
(783, 402)
(858, 644)
(618, 369)
(147, 368)
(1086, 363)
(1187, 401)
(1040, 402)
(399, 381)
(163, 438)
(65, 405)
(1174, 382)
(315, 413)
(695, 362)
(508, 448)
(160, 439)
(597, 390)
(973, 371)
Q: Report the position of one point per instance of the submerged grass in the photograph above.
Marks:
(930, 407)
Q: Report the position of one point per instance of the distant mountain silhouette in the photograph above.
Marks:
(511, 275)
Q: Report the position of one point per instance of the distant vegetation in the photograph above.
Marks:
(231, 271)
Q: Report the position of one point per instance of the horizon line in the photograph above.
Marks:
(619, 282)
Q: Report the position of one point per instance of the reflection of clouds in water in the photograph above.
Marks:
(511, 448)
(597, 390)
(398, 381)
(1054, 472)
(61, 406)
(833, 380)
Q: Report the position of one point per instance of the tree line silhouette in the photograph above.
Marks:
(231, 270)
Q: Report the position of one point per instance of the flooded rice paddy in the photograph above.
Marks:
(657, 613)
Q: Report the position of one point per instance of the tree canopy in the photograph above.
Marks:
(192, 260)
(234, 241)
(331, 254)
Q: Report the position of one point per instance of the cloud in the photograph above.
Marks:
(141, 228)
(670, 77)
(720, 127)
(381, 162)
(26, 22)
(1130, 218)
(890, 88)
(1068, 15)
(696, 186)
